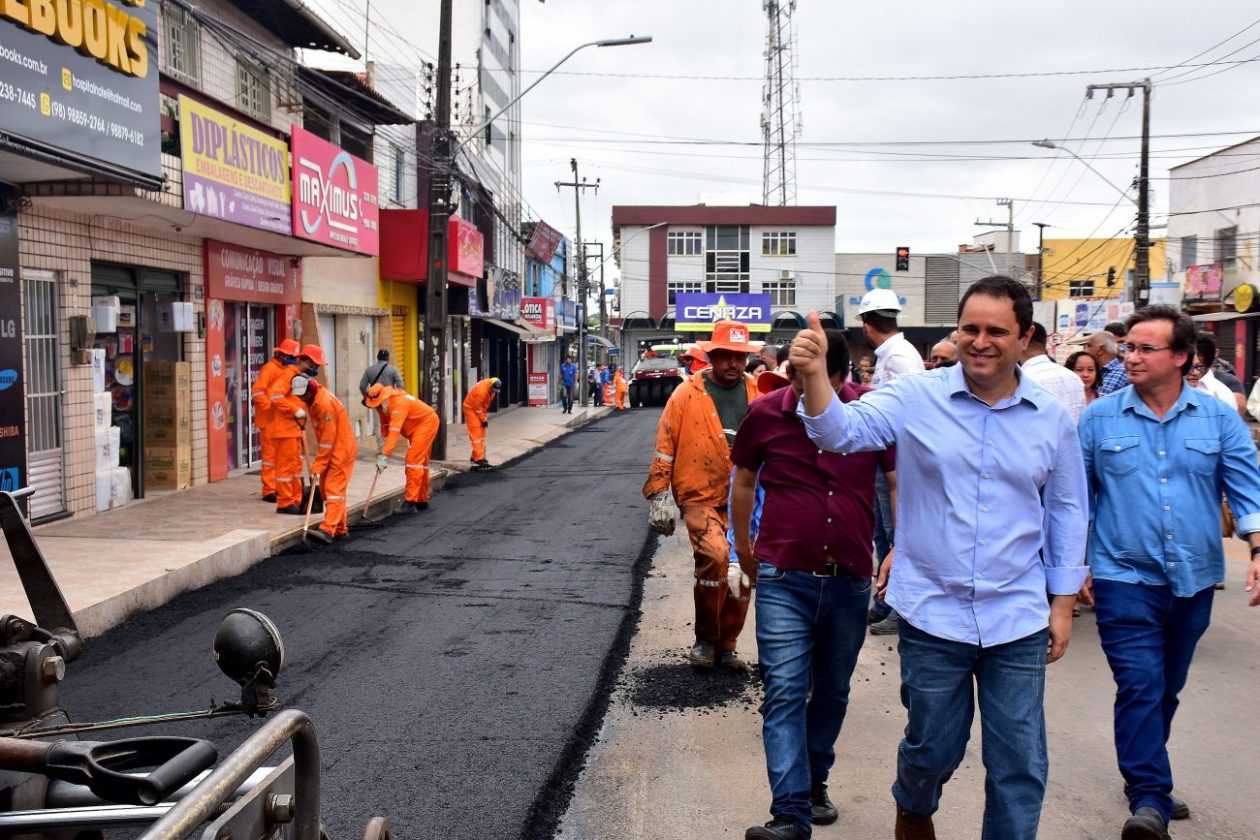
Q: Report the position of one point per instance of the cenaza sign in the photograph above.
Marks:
(95, 28)
(697, 312)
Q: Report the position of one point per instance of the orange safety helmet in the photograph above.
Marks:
(312, 352)
(375, 395)
(288, 347)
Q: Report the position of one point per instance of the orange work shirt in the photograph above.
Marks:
(333, 432)
(406, 413)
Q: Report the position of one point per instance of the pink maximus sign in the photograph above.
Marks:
(334, 196)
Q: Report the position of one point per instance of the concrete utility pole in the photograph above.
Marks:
(1009, 224)
(1041, 255)
(439, 217)
(1142, 235)
(583, 285)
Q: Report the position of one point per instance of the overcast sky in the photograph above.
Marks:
(885, 194)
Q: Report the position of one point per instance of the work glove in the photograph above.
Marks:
(661, 513)
(736, 580)
(381, 462)
(300, 417)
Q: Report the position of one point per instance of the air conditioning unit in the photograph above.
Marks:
(786, 274)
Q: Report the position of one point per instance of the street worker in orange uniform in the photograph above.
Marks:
(621, 389)
(282, 357)
(476, 417)
(337, 450)
(402, 415)
(693, 458)
(288, 420)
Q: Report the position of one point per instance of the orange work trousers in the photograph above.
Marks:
(621, 400)
(268, 463)
(476, 436)
(288, 471)
(419, 447)
(719, 614)
(332, 485)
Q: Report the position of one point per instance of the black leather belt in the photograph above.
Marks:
(832, 570)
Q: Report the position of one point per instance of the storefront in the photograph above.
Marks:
(251, 302)
(538, 318)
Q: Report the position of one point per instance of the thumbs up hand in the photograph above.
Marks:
(809, 349)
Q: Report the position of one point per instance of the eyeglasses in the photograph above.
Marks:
(1146, 349)
(1199, 368)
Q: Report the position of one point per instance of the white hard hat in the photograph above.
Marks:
(299, 384)
(880, 300)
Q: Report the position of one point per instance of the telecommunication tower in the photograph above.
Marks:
(780, 105)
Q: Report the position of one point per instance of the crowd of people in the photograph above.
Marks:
(966, 506)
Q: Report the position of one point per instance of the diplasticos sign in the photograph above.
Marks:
(698, 311)
(232, 170)
(334, 196)
(80, 77)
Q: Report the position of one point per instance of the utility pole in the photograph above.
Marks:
(579, 186)
(439, 217)
(1041, 254)
(603, 310)
(1142, 235)
(1009, 224)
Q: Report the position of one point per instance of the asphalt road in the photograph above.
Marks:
(455, 662)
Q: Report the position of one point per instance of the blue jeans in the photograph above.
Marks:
(883, 536)
(1149, 636)
(937, 678)
(809, 632)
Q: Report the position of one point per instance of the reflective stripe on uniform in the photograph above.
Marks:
(713, 583)
(284, 478)
(666, 458)
(333, 498)
(268, 463)
(395, 428)
(417, 467)
(325, 446)
(279, 396)
(476, 440)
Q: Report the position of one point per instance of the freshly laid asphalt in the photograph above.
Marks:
(456, 662)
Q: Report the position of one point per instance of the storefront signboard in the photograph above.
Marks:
(232, 170)
(465, 249)
(80, 81)
(544, 241)
(1204, 283)
(334, 196)
(12, 383)
(538, 385)
(540, 312)
(698, 311)
(237, 273)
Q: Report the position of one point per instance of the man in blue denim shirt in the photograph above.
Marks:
(991, 518)
(1158, 457)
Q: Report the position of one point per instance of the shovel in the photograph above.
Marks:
(371, 492)
(310, 502)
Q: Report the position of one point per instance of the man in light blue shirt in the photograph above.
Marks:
(991, 519)
(1158, 456)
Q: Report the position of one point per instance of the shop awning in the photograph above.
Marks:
(1223, 316)
(525, 330)
(598, 339)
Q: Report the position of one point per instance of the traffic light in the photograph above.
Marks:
(1111, 276)
(903, 258)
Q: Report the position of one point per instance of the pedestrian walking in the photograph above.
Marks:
(568, 381)
(692, 461)
(287, 426)
(1046, 372)
(337, 449)
(894, 357)
(404, 416)
(477, 417)
(1105, 349)
(621, 389)
(592, 384)
(283, 356)
(810, 559)
(992, 520)
(1158, 456)
(381, 372)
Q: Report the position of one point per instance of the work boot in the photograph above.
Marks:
(822, 809)
(320, 535)
(1180, 810)
(1145, 824)
(886, 627)
(702, 655)
(910, 827)
(483, 464)
(293, 509)
(779, 828)
(269, 497)
(730, 661)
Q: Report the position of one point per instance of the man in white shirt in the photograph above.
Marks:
(1201, 376)
(1052, 376)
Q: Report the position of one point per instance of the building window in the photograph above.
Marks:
(183, 43)
(782, 292)
(1189, 251)
(400, 173)
(726, 259)
(673, 287)
(253, 88)
(1081, 288)
(684, 243)
(356, 141)
(1226, 246)
(778, 243)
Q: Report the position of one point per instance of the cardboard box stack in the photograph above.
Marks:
(167, 425)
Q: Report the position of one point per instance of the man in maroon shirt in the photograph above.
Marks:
(812, 567)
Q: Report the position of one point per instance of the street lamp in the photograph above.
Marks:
(444, 154)
(1046, 144)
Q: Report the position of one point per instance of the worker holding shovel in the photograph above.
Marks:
(334, 463)
(402, 415)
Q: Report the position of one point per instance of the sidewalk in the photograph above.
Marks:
(115, 564)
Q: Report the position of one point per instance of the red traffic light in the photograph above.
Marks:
(903, 259)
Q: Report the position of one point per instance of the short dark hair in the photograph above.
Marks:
(1205, 346)
(1183, 332)
(1039, 336)
(1117, 329)
(755, 365)
(882, 324)
(382, 355)
(781, 355)
(1001, 286)
(837, 352)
